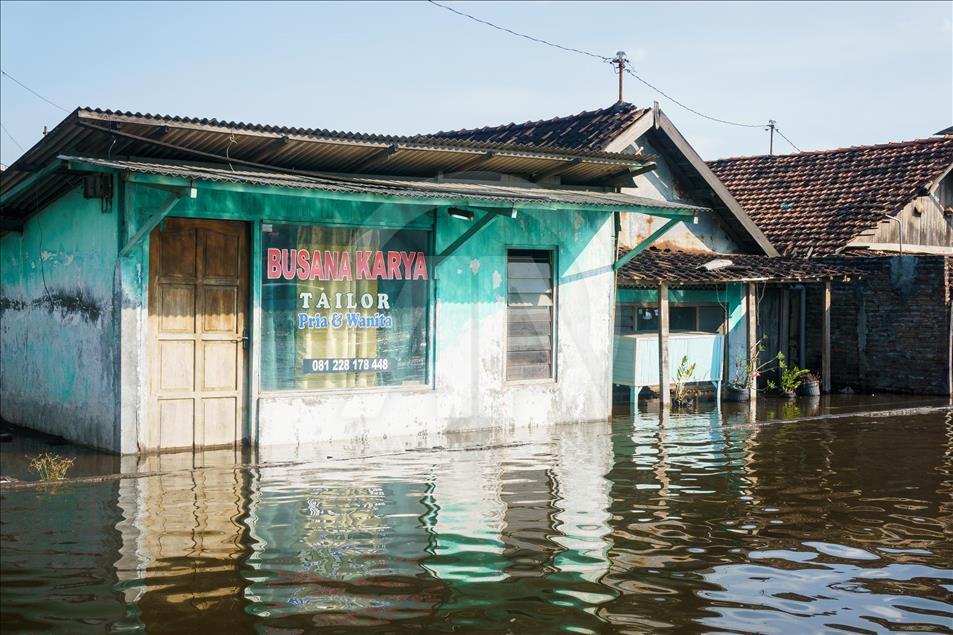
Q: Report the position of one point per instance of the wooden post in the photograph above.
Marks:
(784, 329)
(665, 399)
(752, 310)
(826, 340)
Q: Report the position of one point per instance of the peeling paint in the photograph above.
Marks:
(475, 266)
(497, 280)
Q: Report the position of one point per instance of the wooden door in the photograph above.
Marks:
(198, 293)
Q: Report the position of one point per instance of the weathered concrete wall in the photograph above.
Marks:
(58, 334)
(661, 184)
(470, 390)
(890, 330)
(470, 387)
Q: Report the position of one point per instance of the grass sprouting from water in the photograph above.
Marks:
(51, 467)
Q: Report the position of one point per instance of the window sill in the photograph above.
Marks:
(340, 392)
(529, 382)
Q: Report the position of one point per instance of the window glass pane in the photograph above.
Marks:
(681, 318)
(529, 321)
(647, 319)
(343, 307)
(710, 319)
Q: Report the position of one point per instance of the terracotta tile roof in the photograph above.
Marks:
(816, 202)
(653, 265)
(589, 130)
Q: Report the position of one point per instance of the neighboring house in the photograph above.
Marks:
(170, 282)
(886, 210)
(711, 268)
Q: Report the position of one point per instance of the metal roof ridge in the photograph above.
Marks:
(314, 134)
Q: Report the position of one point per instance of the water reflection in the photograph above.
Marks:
(709, 521)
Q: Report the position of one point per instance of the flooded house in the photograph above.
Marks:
(886, 211)
(687, 288)
(170, 282)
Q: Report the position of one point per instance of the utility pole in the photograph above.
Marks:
(620, 61)
(771, 124)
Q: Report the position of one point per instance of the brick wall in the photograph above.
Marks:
(890, 330)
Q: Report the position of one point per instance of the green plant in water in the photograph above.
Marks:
(790, 377)
(747, 369)
(683, 374)
(51, 467)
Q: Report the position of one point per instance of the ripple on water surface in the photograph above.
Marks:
(697, 522)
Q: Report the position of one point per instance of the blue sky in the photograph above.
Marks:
(831, 74)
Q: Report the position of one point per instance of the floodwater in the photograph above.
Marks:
(795, 519)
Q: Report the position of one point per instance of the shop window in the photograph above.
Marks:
(530, 313)
(343, 307)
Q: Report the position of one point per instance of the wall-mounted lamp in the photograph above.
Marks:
(462, 214)
(695, 219)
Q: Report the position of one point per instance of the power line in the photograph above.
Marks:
(22, 85)
(12, 138)
(597, 56)
(690, 109)
(788, 140)
(522, 35)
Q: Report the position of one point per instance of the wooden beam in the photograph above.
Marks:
(635, 251)
(48, 169)
(556, 169)
(624, 177)
(784, 328)
(826, 340)
(381, 156)
(153, 221)
(474, 162)
(484, 220)
(752, 311)
(665, 398)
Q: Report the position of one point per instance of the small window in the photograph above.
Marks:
(682, 318)
(530, 307)
(711, 319)
(648, 319)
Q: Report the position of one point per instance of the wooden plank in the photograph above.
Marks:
(520, 329)
(529, 285)
(665, 398)
(530, 343)
(751, 306)
(528, 314)
(826, 340)
(527, 269)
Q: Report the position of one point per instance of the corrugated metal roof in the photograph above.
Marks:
(587, 130)
(97, 132)
(383, 186)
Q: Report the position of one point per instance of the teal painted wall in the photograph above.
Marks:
(59, 341)
(467, 353)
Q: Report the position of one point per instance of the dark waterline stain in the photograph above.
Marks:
(686, 523)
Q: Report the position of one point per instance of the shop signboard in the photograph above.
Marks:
(343, 306)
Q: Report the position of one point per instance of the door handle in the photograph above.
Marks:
(245, 339)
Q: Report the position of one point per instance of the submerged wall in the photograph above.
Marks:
(890, 330)
(57, 330)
